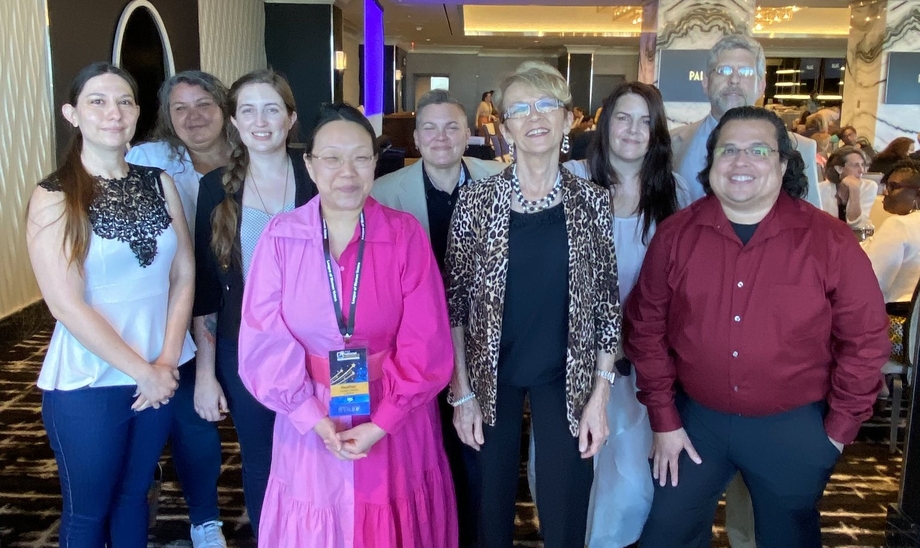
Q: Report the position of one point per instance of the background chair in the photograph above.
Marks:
(904, 365)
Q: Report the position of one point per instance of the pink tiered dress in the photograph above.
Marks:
(400, 495)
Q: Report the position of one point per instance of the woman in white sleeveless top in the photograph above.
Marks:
(111, 253)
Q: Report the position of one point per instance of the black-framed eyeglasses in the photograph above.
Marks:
(522, 110)
(728, 70)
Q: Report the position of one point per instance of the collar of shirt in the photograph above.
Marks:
(465, 178)
(783, 215)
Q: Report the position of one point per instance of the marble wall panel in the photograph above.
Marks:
(877, 29)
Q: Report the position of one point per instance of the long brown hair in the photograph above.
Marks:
(225, 218)
(78, 186)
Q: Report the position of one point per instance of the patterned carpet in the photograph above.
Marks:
(853, 510)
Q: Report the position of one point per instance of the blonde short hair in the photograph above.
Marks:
(538, 75)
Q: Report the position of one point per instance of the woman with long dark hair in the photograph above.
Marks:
(262, 179)
(630, 157)
(191, 138)
(897, 150)
(111, 253)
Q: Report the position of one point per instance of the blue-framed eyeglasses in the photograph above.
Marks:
(522, 110)
(756, 152)
(728, 70)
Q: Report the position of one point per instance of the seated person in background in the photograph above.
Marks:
(484, 113)
(844, 193)
(897, 150)
(916, 155)
(895, 248)
(850, 137)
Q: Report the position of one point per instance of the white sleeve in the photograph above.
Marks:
(886, 251)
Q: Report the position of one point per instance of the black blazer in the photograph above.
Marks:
(216, 289)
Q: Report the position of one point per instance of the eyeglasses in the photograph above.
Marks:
(543, 106)
(756, 152)
(335, 162)
(728, 70)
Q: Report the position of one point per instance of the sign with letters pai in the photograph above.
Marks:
(680, 75)
(903, 85)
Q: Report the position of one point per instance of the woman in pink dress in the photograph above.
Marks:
(365, 481)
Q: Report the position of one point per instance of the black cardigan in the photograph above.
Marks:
(216, 289)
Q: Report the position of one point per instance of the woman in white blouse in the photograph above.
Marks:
(844, 193)
(895, 248)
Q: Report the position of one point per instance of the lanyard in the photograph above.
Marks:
(346, 330)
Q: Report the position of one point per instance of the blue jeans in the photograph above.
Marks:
(195, 445)
(106, 455)
(254, 427)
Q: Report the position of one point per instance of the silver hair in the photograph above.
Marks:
(738, 41)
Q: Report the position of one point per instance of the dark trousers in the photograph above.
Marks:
(254, 427)
(195, 445)
(106, 454)
(563, 477)
(785, 459)
(464, 467)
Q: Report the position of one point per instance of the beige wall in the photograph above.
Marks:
(232, 37)
(26, 140)
(351, 83)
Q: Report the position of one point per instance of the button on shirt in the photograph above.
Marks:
(440, 210)
(791, 318)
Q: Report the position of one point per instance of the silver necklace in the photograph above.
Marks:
(255, 185)
(533, 206)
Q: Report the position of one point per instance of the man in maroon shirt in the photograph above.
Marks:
(758, 331)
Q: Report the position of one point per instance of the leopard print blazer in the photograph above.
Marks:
(477, 265)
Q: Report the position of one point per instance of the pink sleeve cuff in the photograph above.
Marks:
(307, 414)
(388, 416)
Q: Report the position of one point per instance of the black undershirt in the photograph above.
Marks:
(440, 210)
(535, 319)
(745, 232)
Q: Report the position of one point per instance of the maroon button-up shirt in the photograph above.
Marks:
(794, 317)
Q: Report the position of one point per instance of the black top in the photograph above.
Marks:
(745, 232)
(216, 289)
(440, 210)
(535, 320)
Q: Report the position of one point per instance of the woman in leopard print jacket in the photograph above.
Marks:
(534, 310)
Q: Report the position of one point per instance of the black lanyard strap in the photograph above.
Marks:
(346, 330)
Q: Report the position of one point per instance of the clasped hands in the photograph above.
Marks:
(158, 383)
(352, 444)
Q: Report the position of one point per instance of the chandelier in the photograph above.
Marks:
(629, 13)
(764, 17)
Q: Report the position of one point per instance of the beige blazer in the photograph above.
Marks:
(808, 148)
(404, 189)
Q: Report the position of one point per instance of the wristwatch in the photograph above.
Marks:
(608, 376)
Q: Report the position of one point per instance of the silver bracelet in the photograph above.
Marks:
(464, 399)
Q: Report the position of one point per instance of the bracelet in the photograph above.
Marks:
(608, 376)
(464, 399)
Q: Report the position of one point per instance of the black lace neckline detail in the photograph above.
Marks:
(130, 210)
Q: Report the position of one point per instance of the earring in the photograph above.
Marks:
(511, 151)
(565, 144)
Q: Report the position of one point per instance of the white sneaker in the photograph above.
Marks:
(208, 535)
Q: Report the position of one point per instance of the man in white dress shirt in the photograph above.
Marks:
(735, 77)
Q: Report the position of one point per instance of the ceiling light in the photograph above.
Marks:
(765, 17)
(633, 13)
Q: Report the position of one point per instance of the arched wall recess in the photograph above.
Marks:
(164, 36)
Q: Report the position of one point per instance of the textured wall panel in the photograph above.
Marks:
(232, 37)
(26, 145)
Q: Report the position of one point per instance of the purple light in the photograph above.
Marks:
(373, 58)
